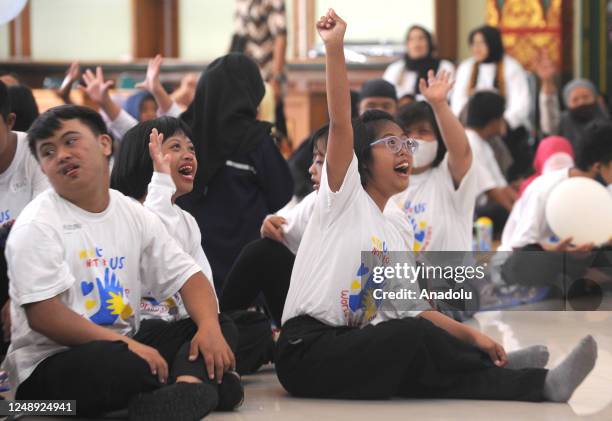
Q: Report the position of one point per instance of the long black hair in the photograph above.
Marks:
(494, 42)
(133, 166)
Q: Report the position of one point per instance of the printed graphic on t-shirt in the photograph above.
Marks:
(422, 229)
(151, 306)
(5, 216)
(358, 303)
(106, 300)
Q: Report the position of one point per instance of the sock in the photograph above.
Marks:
(562, 381)
(531, 357)
(179, 401)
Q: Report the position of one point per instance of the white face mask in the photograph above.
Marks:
(425, 154)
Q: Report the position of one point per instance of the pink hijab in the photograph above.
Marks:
(547, 148)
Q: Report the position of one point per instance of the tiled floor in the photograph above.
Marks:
(267, 400)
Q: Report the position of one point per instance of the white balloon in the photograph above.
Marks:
(9, 9)
(580, 208)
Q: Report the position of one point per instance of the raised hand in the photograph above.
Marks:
(544, 67)
(72, 75)
(331, 28)
(96, 87)
(161, 162)
(436, 89)
(151, 82)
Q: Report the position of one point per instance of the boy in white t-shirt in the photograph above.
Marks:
(528, 234)
(485, 120)
(80, 258)
(20, 181)
(338, 340)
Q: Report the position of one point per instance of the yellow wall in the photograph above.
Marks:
(77, 29)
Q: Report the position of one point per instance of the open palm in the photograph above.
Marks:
(436, 88)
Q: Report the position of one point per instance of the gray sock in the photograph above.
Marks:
(562, 380)
(531, 357)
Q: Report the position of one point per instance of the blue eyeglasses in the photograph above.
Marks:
(395, 144)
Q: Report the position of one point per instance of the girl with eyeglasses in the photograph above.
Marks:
(338, 340)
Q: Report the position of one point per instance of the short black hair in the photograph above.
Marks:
(484, 107)
(366, 130)
(51, 120)
(419, 112)
(5, 101)
(23, 105)
(321, 134)
(595, 145)
(133, 166)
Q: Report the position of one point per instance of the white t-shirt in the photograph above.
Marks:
(490, 175)
(440, 214)
(517, 93)
(527, 222)
(405, 80)
(326, 277)
(98, 265)
(297, 219)
(185, 230)
(21, 182)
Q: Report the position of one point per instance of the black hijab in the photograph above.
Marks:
(421, 65)
(493, 39)
(223, 114)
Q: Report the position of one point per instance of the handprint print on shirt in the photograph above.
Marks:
(112, 303)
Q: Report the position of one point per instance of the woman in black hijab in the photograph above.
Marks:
(242, 175)
(490, 68)
(419, 58)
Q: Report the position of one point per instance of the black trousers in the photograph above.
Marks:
(103, 376)
(263, 267)
(255, 344)
(405, 357)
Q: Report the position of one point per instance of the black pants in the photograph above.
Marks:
(255, 344)
(103, 376)
(405, 357)
(263, 267)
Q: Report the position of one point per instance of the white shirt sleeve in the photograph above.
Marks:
(159, 201)
(173, 111)
(122, 124)
(164, 266)
(297, 220)
(36, 264)
(517, 93)
(531, 227)
(459, 96)
(332, 204)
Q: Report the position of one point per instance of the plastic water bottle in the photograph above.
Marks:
(484, 234)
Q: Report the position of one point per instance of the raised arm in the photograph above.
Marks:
(436, 91)
(154, 86)
(340, 144)
(97, 89)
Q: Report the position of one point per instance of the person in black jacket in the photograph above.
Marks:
(243, 177)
